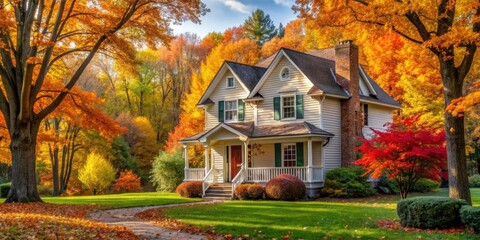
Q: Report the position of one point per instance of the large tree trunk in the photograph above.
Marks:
(23, 148)
(455, 132)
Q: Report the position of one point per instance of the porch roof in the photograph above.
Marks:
(249, 130)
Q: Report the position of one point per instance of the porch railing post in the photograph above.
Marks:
(310, 161)
(185, 155)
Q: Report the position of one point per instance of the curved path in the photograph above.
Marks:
(125, 217)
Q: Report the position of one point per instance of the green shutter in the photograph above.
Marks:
(276, 108)
(299, 106)
(241, 110)
(221, 114)
(278, 155)
(300, 154)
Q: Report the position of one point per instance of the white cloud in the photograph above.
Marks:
(287, 3)
(238, 6)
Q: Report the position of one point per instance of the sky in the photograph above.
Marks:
(225, 14)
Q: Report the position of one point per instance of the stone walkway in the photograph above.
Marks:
(125, 217)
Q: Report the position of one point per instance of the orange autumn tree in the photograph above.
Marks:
(127, 182)
(61, 130)
(448, 29)
(36, 35)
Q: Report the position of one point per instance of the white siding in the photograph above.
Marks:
(217, 153)
(273, 85)
(266, 158)
(331, 117)
(316, 154)
(222, 93)
(378, 116)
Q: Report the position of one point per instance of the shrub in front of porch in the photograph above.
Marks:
(249, 191)
(285, 187)
(190, 189)
(347, 183)
(168, 170)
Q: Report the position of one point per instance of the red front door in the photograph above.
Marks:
(236, 163)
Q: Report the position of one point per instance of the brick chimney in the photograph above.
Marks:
(347, 74)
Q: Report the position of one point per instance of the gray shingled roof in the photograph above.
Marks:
(318, 70)
(291, 129)
(248, 74)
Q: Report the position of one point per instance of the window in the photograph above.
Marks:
(231, 110)
(285, 74)
(365, 114)
(230, 82)
(288, 107)
(290, 155)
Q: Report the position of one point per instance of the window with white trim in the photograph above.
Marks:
(231, 109)
(289, 155)
(230, 82)
(288, 107)
(285, 74)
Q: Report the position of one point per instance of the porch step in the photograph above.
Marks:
(220, 191)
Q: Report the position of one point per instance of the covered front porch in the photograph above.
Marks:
(232, 156)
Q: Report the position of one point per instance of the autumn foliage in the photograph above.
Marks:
(406, 153)
(54, 221)
(127, 182)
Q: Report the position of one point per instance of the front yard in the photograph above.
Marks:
(307, 220)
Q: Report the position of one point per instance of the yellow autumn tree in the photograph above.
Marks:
(97, 174)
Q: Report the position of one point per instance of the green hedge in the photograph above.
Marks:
(4, 189)
(346, 183)
(424, 185)
(474, 180)
(430, 212)
(471, 217)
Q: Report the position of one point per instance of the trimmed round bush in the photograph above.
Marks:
(249, 191)
(4, 189)
(190, 189)
(285, 187)
(424, 185)
(430, 212)
(471, 217)
(474, 180)
(346, 183)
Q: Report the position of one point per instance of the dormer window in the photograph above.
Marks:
(230, 82)
(285, 74)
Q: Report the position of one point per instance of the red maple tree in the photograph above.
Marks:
(405, 152)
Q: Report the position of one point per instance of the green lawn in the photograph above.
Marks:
(122, 200)
(307, 220)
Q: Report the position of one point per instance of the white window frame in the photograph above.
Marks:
(233, 110)
(233, 81)
(289, 74)
(294, 107)
(283, 153)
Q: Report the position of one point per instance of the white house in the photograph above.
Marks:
(296, 113)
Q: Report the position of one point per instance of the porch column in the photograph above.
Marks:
(310, 160)
(207, 159)
(185, 155)
(245, 158)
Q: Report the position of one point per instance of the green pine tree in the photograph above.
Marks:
(260, 27)
(281, 31)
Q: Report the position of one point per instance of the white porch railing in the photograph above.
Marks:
(239, 179)
(208, 180)
(264, 174)
(194, 174)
